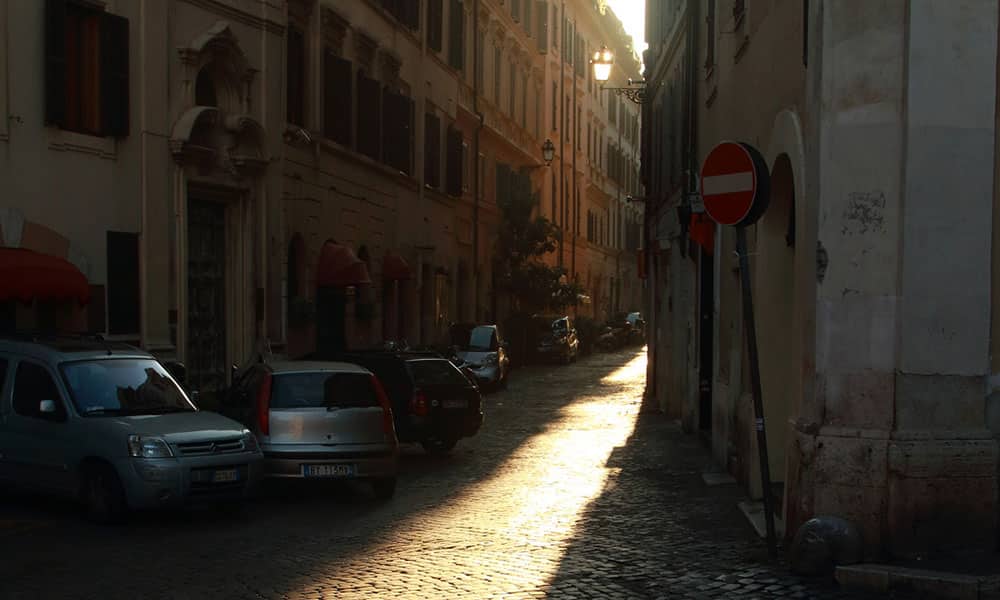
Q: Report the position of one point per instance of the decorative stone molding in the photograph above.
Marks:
(218, 49)
(334, 28)
(365, 45)
(390, 64)
(210, 140)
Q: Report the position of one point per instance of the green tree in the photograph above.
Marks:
(524, 239)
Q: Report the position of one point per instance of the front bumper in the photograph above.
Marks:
(364, 463)
(174, 482)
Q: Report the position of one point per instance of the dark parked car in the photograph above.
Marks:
(433, 402)
(557, 339)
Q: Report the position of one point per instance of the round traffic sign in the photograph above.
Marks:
(734, 184)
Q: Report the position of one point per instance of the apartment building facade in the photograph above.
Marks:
(875, 356)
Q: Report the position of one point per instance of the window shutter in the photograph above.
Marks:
(410, 116)
(454, 162)
(432, 150)
(114, 75)
(337, 95)
(434, 25)
(541, 7)
(502, 183)
(55, 62)
(412, 14)
(369, 113)
(456, 27)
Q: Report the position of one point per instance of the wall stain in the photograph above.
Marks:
(864, 213)
(822, 260)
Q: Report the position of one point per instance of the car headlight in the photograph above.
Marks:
(250, 441)
(148, 447)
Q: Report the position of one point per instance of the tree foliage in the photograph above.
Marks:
(523, 240)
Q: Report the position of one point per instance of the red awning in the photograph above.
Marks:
(395, 266)
(339, 267)
(26, 275)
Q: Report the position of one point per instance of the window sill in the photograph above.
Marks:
(70, 141)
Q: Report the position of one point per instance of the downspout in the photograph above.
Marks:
(574, 200)
(562, 131)
(476, 69)
(691, 179)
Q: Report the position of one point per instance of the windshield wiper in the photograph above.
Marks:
(100, 410)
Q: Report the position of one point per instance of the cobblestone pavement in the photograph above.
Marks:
(568, 492)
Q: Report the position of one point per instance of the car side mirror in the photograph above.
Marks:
(47, 407)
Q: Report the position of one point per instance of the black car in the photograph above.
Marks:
(556, 339)
(433, 402)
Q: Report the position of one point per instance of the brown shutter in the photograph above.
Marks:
(337, 95)
(114, 75)
(369, 115)
(456, 27)
(432, 151)
(55, 62)
(434, 24)
(543, 26)
(454, 165)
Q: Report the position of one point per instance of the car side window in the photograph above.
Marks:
(32, 384)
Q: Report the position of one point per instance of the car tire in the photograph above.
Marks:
(103, 495)
(438, 446)
(384, 488)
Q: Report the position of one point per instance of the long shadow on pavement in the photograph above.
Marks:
(658, 531)
(282, 541)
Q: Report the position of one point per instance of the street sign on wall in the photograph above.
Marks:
(735, 184)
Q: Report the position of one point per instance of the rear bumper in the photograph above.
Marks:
(364, 464)
(458, 424)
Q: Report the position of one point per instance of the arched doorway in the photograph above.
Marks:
(774, 302)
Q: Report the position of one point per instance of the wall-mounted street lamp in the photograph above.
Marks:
(602, 62)
(548, 151)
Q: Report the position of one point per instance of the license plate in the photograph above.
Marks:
(328, 470)
(225, 476)
(455, 404)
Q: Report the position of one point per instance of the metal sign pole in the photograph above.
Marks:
(758, 407)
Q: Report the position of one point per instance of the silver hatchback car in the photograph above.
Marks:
(319, 420)
(107, 423)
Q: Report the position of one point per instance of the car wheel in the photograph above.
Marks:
(384, 488)
(438, 446)
(103, 495)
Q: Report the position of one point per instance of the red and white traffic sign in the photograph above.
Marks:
(731, 183)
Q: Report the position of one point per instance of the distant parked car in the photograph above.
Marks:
(108, 424)
(484, 352)
(557, 339)
(433, 402)
(319, 420)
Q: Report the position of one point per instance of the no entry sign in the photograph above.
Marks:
(735, 184)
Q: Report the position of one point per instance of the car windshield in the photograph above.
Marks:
(481, 339)
(436, 372)
(123, 386)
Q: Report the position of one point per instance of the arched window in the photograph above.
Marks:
(204, 88)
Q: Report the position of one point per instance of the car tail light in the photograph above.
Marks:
(264, 405)
(388, 427)
(418, 405)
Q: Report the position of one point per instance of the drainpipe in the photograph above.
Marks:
(573, 200)
(476, 67)
(691, 175)
(562, 130)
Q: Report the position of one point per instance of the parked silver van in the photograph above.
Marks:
(106, 423)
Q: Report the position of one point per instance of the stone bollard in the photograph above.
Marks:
(824, 542)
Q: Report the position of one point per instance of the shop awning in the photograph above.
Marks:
(395, 267)
(26, 275)
(339, 267)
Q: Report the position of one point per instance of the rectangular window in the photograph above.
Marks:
(555, 100)
(123, 283)
(435, 24)
(369, 113)
(456, 35)
(454, 162)
(86, 69)
(295, 77)
(466, 174)
(432, 150)
(480, 81)
(542, 23)
(337, 97)
(497, 73)
(524, 101)
(397, 131)
(512, 100)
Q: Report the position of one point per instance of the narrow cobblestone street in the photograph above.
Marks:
(568, 492)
